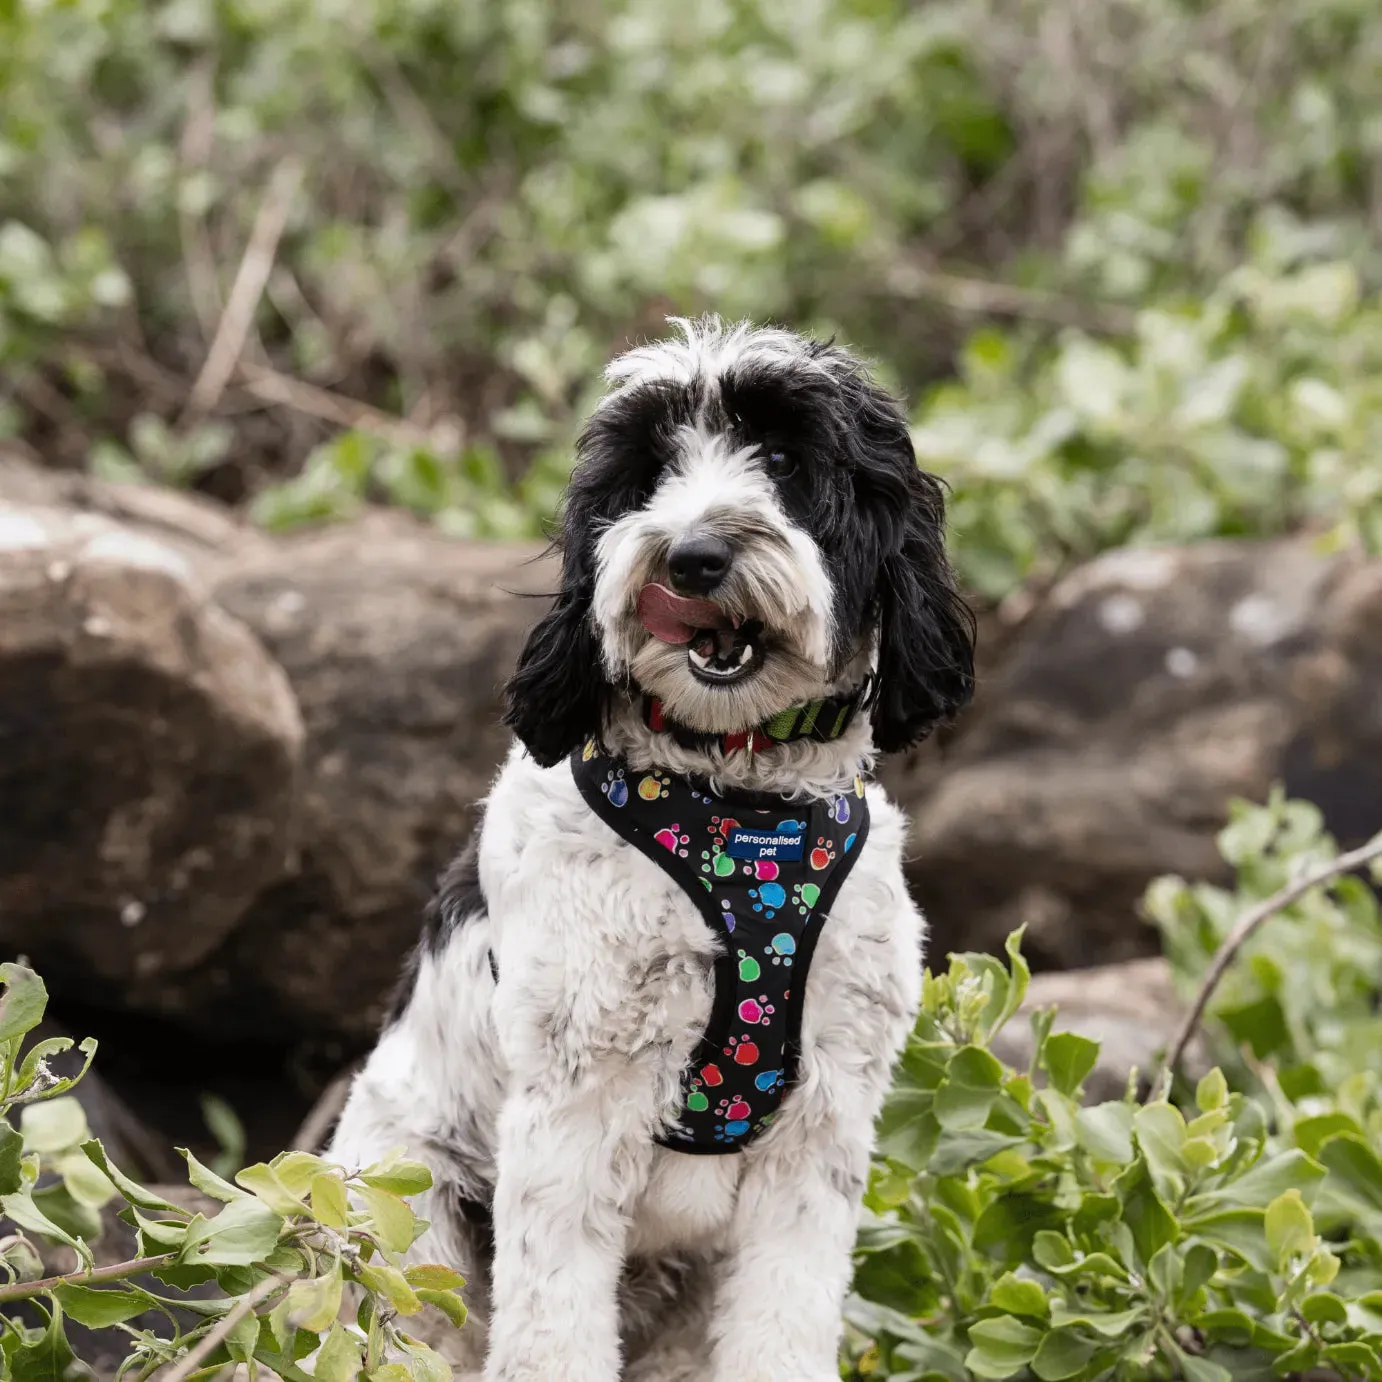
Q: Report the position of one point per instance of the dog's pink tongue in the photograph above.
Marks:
(674, 618)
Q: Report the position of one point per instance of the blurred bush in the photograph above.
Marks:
(1161, 214)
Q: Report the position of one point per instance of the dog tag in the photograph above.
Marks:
(784, 842)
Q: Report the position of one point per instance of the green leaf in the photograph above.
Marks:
(1194, 1368)
(208, 1182)
(11, 1153)
(130, 1189)
(243, 1232)
(1323, 1307)
(1112, 1324)
(1151, 1223)
(85, 1182)
(1068, 1058)
(23, 1211)
(394, 1223)
(262, 1181)
(1160, 1133)
(1105, 1132)
(390, 1283)
(1001, 1347)
(22, 1004)
(315, 1302)
(46, 1356)
(396, 1173)
(1064, 1353)
(1052, 1250)
(1312, 1133)
(1356, 1165)
(448, 1302)
(1272, 1176)
(243, 1339)
(340, 1357)
(424, 1364)
(431, 1276)
(328, 1200)
(1290, 1229)
(1211, 1093)
(53, 1126)
(973, 1080)
(101, 1309)
(956, 1152)
(1016, 1296)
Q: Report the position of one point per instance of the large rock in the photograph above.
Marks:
(231, 767)
(148, 742)
(1150, 688)
(397, 641)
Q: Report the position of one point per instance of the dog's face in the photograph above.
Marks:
(745, 527)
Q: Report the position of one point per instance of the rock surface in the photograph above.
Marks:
(148, 746)
(1146, 691)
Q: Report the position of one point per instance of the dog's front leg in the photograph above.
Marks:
(570, 1161)
(778, 1308)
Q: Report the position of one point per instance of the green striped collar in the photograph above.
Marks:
(819, 721)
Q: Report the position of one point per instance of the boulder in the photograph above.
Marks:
(397, 641)
(148, 742)
(1146, 691)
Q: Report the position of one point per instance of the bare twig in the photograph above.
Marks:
(1243, 928)
(982, 297)
(255, 266)
(23, 1290)
(198, 134)
(273, 387)
(189, 1363)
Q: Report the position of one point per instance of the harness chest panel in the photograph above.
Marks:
(763, 873)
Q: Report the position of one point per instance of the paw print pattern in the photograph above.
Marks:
(615, 788)
(768, 897)
(756, 1010)
(654, 787)
(839, 810)
(670, 837)
(770, 1081)
(805, 896)
(742, 1051)
(780, 950)
(749, 968)
(823, 855)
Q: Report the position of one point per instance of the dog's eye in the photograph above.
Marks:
(780, 464)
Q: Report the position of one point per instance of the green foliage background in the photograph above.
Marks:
(1161, 216)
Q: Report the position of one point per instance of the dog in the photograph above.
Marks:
(754, 603)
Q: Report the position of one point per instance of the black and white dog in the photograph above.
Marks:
(755, 602)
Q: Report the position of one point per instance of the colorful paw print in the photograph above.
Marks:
(749, 968)
(756, 1011)
(731, 1110)
(770, 1081)
(765, 869)
(730, 1131)
(727, 914)
(839, 810)
(615, 788)
(781, 949)
(823, 854)
(805, 896)
(849, 842)
(721, 865)
(858, 786)
(589, 751)
(668, 836)
(652, 787)
(768, 897)
(742, 1050)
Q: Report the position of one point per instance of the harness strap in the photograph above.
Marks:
(763, 873)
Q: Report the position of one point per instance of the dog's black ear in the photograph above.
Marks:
(925, 630)
(925, 670)
(558, 695)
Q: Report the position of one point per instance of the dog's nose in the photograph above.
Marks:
(698, 563)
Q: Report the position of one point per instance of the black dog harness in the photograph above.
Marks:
(763, 873)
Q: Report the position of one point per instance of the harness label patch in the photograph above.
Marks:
(784, 842)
